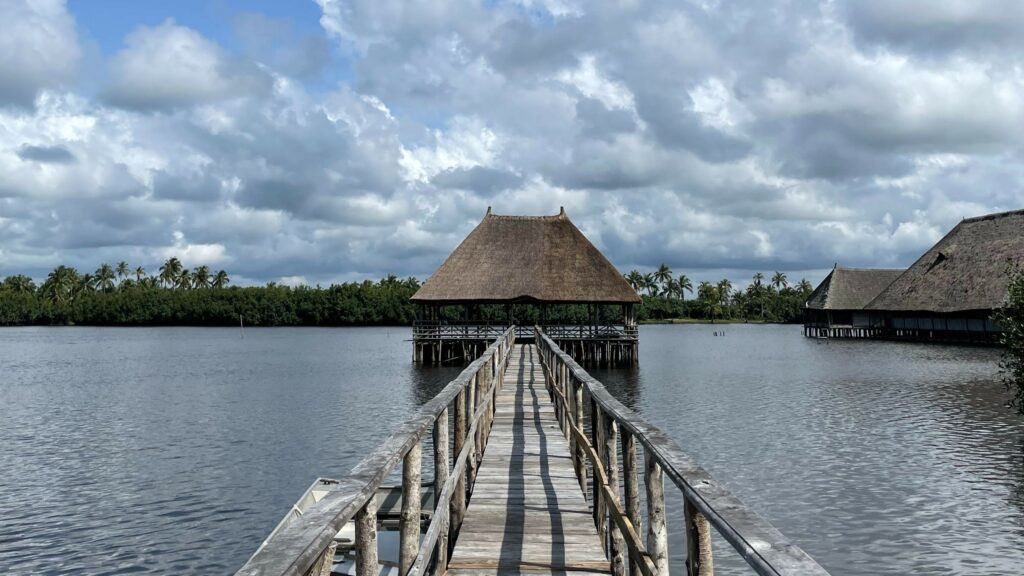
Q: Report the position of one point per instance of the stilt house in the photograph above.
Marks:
(509, 263)
(836, 307)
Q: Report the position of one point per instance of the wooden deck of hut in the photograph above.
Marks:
(542, 478)
(541, 263)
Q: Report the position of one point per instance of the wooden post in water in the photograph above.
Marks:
(440, 478)
(657, 527)
(632, 485)
(409, 525)
(617, 545)
(698, 543)
(366, 539)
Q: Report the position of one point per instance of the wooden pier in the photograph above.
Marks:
(542, 478)
(528, 512)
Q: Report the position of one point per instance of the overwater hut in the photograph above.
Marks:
(950, 292)
(836, 307)
(520, 270)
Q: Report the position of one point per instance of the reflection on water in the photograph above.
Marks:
(178, 449)
(877, 458)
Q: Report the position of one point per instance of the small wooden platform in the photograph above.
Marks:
(527, 513)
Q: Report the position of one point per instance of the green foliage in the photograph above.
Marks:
(664, 298)
(182, 297)
(1011, 319)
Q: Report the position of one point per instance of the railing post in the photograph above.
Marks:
(580, 456)
(617, 544)
(699, 561)
(409, 525)
(597, 441)
(632, 485)
(366, 539)
(470, 414)
(440, 478)
(458, 504)
(657, 528)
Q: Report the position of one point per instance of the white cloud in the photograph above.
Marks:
(38, 49)
(170, 66)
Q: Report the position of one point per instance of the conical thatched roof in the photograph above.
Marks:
(966, 270)
(850, 288)
(526, 258)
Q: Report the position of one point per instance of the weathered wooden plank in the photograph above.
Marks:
(527, 513)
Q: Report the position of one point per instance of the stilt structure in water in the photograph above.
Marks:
(526, 270)
(524, 464)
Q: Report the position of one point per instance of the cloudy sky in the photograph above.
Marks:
(332, 140)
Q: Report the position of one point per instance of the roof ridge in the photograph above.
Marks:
(561, 215)
(994, 215)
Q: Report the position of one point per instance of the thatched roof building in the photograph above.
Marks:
(850, 288)
(542, 259)
(965, 271)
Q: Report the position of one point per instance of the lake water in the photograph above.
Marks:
(126, 450)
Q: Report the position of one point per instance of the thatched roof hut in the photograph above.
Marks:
(966, 270)
(850, 288)
(542, 259)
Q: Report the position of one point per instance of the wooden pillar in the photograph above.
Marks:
(366, 539)
(440, 478)
(457, 508)
(580, 456)
(597, 441)
(657, 527)
(617, 549)
(471, 401)
(409, 524)
(632, 485)
(698, 543)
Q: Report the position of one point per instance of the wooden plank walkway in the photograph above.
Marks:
(527, 513)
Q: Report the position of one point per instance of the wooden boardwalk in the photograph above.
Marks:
(527, 513)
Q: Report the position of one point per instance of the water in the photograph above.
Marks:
(128, 450)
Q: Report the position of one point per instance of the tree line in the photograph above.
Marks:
(124, 296)
(767, 300)
(175, 295)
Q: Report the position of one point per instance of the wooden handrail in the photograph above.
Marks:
(305, 544)
(707, 502)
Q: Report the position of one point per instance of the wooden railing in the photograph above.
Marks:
(426, 330)
(707, 504)
(304, 546)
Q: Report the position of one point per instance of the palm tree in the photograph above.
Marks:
(650, 284)
(636, 280)
(758, 291)
(184, 279)
(140, 273)
(805, 286)
(779, 281)
(220, 279)
(201, 277)
(19, 283)
(104, 278)
(662, 275)
(61, 285)
(170, 271)
(123, 271)
(684, 284)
